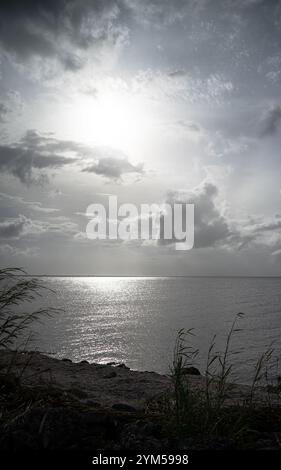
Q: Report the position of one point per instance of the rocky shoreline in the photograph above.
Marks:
(58, 404)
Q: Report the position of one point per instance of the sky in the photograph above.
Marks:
(152, 101)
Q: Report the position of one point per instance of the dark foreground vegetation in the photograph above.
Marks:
(191, 411)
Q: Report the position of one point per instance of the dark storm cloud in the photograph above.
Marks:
(108, 162)
(271, 121)
(114, 167)
(211, 227)
(48, 143)
(36, 152)
(55, 27)
(21, 162)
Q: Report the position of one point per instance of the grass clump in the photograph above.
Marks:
(17, 291)
(206, 416)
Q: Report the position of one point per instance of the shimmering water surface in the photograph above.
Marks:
(135, 320)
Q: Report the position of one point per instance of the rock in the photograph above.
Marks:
(123, 407)
(84, 362)
(123, 366)
(191, 371)
(111, 363)
(65, 359)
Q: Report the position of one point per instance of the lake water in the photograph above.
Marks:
(135, 319)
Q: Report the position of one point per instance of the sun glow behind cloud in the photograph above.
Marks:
(114, 118)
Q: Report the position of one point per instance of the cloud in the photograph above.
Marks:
(13, 228)
(114, 168)
(268, 226)
(24, 227)
(3, 112)
(218, 145)
(160, 85)
(211, 228)
(59, 29)
(9, 250)
(23, 236)
(177, 73)
(36, 206)
(163, 13)
(47, 143)
(263, 233)
(36, 152)
(271, 121)
(266, 234)
(22, 162)
(11, 104)
(186, 129)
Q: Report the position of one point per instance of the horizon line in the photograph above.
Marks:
(157, 275)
